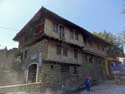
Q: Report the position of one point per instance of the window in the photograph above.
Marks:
(76, 35)
(75, 53)
(55, 27)
(90, 59)
(61, 29)
(64, 68)
(71, 34)
(25, 54)
(21, 56)
(58, 50)
(65, 51)
(75, 70)
(103, 48)
(52, 67)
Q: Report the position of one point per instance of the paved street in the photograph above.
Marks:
(105, 88)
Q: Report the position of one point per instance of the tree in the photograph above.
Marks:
(109, 37)
(117, 40)
(121, 38)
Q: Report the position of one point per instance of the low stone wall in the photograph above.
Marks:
(31, 87)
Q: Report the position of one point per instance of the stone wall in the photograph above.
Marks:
(53, 76)
(50, 75)
(8, 69)
(33, 52)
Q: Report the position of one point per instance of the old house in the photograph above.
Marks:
(59, 53)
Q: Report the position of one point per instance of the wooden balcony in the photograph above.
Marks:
(95, 50)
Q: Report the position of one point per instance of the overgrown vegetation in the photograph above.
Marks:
(118, 40)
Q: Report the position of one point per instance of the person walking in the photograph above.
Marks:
(87, 84)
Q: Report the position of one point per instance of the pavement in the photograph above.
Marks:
(105, 88)
(108, 87)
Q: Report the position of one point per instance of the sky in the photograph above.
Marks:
(93, 15)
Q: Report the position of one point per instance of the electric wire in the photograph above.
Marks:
(8, 28)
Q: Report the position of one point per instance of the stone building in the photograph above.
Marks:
(59, 53)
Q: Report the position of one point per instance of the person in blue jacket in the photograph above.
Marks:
(87, 83)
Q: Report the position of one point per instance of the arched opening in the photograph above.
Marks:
(32, 73)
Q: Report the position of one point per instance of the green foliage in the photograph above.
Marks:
(109, 37)
(121, 38)
(117, 40)
(88, 68)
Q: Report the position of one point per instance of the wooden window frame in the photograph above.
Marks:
(75, 53)
(71, 34)
(65, 51)
(76, 35)
(58, 49)
(55, 27)
(61, 31)
(75, 70)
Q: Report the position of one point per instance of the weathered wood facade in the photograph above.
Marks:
(59, 53)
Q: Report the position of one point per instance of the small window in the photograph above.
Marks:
(55, 27)
(61, 29)
(76, 35)
(21, 56)
(65, 51)
(64, 68)
(58, 50)
(90, 59)
(25, 54)
(76, 53)
(71, 34)
(52, 67)
(75, 70)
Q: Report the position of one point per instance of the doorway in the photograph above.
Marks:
(32, 73)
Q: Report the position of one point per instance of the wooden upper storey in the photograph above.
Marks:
(47, 24)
